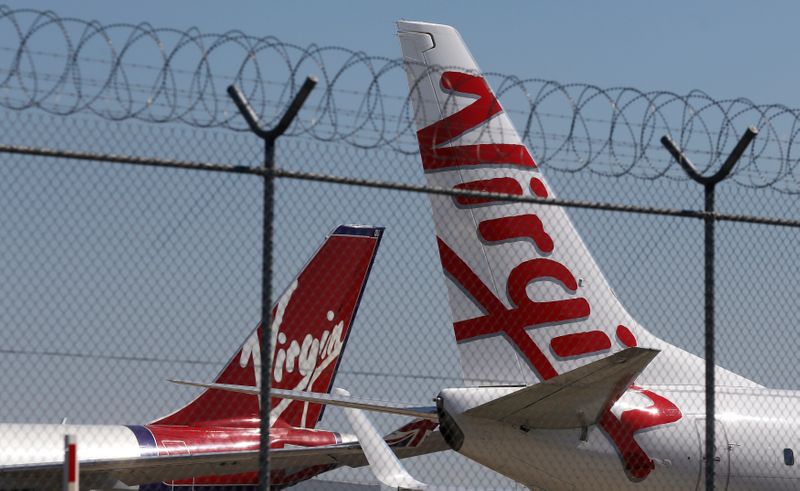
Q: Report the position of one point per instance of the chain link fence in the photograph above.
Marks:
(131, 256)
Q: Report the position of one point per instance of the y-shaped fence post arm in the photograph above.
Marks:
(709, 185)
(269, 136)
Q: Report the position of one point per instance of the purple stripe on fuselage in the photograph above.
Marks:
(188, 487)
(149, 448)
(364, 230)
(147, 442)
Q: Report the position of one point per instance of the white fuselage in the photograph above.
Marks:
(44, 443)
(754, 426)
(31, 444)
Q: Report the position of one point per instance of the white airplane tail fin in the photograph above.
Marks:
(528, 300)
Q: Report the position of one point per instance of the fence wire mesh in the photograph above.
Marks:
(117, 278)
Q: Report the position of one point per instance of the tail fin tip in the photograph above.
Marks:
(362, 230)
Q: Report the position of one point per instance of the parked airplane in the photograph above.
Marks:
(548, 352)
(212, 442)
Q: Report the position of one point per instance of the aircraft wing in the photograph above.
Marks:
(153, 469)
(574, 399)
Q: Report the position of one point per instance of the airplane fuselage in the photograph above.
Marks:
(30, 444)
(754, 427)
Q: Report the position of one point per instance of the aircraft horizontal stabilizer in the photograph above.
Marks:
(575, 399)
(330, 399)
(242, 389)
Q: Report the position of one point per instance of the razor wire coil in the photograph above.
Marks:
(575, 127)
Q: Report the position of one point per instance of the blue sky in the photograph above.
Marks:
(729, 49)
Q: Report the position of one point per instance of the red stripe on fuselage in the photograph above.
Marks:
(196, 440)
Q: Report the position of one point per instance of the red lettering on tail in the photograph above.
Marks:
(580, 343)
(507, 185)
(517, 227)
(453, 126)
(525, 313)
(514, 322)
(626, 337)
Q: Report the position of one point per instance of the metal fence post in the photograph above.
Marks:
(269, 137)
(709, 185)
(71, 481)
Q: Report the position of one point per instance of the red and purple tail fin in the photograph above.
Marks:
(311, 323)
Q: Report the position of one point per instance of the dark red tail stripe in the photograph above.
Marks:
(580, 343)
(506, 185)
(517, 227)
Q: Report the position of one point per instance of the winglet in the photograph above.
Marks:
(574, 399)
(383, 463)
